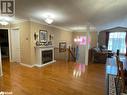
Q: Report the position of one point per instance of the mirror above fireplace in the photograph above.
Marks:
(43, 36)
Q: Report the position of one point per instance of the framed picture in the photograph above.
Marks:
(43, 36)
(62, 47)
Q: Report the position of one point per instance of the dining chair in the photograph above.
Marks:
(118, 65)
(121, 75)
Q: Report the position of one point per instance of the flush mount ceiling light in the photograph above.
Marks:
(49, 20)
(4, 22)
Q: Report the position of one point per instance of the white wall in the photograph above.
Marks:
(24, 29)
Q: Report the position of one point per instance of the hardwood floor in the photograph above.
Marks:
(59, 78)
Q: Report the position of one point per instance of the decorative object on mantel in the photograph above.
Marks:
(43, 36)
(49, 43)
(62, 47)
(38, 43)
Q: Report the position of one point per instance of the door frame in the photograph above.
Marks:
(9, 41)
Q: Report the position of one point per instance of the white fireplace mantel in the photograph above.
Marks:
(39, 50)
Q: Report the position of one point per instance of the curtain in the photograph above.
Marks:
(117, 42)
(107, 38)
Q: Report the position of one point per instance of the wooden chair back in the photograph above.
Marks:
(122, 75)
(118, 65)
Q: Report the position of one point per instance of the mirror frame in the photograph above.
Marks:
(43, 36)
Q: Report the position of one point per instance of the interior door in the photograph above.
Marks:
(15, 44)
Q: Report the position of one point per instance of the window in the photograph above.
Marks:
(117, 41)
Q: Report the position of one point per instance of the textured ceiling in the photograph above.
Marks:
(70, 14)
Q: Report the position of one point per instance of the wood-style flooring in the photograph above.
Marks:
(59, 78)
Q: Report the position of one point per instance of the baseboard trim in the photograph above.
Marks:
(26, 65)
(30, 66)
(45, 64)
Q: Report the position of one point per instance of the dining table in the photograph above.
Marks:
(111, 65)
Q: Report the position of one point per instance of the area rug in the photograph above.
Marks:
(111, 85)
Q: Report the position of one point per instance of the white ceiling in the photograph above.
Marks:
(75, 14)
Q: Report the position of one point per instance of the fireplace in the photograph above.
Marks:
(44, 56)
(47, 56)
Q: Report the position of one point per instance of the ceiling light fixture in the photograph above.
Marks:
(4, 22)
(49, 20)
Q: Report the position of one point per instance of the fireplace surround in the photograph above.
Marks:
(47, 56)
(44, 55)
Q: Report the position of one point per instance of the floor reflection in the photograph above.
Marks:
(78, 69)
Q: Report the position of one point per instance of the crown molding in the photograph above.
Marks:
(58, 27)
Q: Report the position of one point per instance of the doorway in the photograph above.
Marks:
(4, 43)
